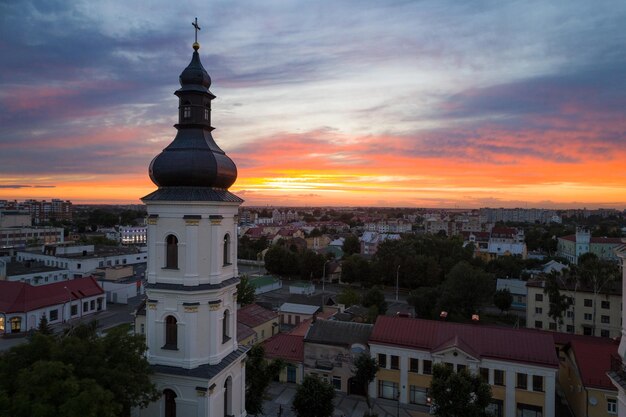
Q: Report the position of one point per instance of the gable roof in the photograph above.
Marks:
(593, 358)
(244, 332)
(483, 341)
(254, 315)
(285, 346)
(338, 333)
(18, 297)
(298, 308)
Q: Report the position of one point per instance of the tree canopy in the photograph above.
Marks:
(245, 291)
(78, 374)
(466, 289)
(259, 374)
(365, 369)
(314, 398)
(503, 299)
(458, 394)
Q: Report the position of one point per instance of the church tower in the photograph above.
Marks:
(191, 311)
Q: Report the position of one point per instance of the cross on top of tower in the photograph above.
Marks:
(196, 45)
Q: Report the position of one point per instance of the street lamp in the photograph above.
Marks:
(397, 281)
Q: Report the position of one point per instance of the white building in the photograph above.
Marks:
(33, 273)
(133, 235)
(22, 305)
(618, 364)
(83, 260)
(191, 314)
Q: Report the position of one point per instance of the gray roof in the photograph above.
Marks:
(298, 308)
(192, 194)
(201, 287)
(203, 371)
(341, 333)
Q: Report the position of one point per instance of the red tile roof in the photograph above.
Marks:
(254, 315)
(601, 240)
(593, 357)
(482, 341)
(18, 297)
(285, 346)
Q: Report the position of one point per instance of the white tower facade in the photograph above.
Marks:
(191, 311)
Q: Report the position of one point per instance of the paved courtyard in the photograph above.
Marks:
(345, 405)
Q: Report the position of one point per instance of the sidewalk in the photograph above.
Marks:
(345, 405)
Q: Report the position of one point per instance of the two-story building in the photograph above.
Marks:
(520, 366)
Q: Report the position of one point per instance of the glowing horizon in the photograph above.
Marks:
(430, 104)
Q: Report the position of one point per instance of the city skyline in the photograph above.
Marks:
(412, 104)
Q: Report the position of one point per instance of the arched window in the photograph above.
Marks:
(16, 324)
(171, 252)
(169, 398)
(228, 396)
(226, 327)
(227, 249)
(171, 333)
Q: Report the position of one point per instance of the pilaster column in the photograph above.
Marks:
(509, 403)
(550, 392)
(404, 378)
(152, 248)
(191, 250)
(215, 266)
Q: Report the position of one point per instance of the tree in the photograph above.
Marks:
(365, 369)
(245, 291)
(458, 394)
(503, 299)
(375, 297)
(259, 374)
(311, 265)
(44, 327)
(351, 245)
(96, 376)
(355, 268)
(558, 303)
(348, 297)
(314, 398)
(466, 289)
(424, 301)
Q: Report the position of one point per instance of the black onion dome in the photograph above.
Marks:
(193, 159)
(194, 75)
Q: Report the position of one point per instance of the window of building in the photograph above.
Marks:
(92, 304)
(337, 382)
(527, 410)
(537, 383)
(142, 328)
(605, 333)
(484, 374)
(605, 304)
(460, 367)
(85, 306)
(395, 362)
(16, 324)
(206, 113)
(169, 401)
(74, 310)
(495, 408)
(569, 314)
(171, 252)
(54, 315)
(498, 377)
(538, 324)
(428, 367)
(587, 331)
(605, 319)
(418, 395)
(2, 325)
(388, 389)
(569, 328)
(187, 112)
(171, 333)
(227, 249)
(522, 381)
(226, 327)
(611, 405)
(588, 302)
(538, 297)
(552, 325)
(588, 316)
(538, 310)
(414, 365)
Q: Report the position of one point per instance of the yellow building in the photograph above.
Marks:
(520, 366)
(584, 364)
(579, 318)
(262, 321)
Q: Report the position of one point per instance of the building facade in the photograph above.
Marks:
(191, 307)
(520, 366)
(589, 311)
(571, 247)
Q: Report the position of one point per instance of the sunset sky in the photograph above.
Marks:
(379, 103)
